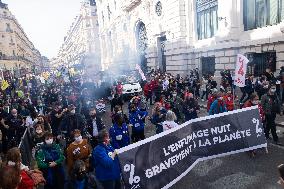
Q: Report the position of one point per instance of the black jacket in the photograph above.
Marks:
(99, 123)
(71, 122)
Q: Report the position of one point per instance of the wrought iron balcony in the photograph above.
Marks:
(130, 4)
(18, 58)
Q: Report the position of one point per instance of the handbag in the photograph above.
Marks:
(37, 176)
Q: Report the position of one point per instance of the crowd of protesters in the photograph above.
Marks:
(65, 123)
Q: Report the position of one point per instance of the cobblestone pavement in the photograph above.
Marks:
(237, 171)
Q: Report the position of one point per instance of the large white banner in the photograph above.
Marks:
(241, 69)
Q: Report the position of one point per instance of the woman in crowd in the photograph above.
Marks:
(170, 121)
(158, 117)
(38, 137)
(42, 120)
(190, 108)
(14, 162)
(229, 99)
(106, 163)
(49, 160)
(119, 133)
(78, 177)
(218, 106)
(79, 149)
(10, 177)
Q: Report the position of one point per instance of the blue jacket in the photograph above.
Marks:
(215, 108)
(119, 136)
(105, 167)
(136, 119)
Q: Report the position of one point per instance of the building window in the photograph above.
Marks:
(8, 27)
(142, 38)
(207, 18)
(158, 8)
(260, 13)
(260, 62)
(208, 65)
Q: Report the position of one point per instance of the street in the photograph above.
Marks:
(238, 171)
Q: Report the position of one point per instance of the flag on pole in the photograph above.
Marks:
(140, 72)
(4, 85)
(241, 69)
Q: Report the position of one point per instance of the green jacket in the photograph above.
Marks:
(48, 154)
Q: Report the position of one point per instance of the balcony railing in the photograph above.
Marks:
(130, 4)
(18, 58)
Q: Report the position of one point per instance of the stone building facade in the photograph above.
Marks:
(17, 52)
(179, 35)
(81, 46)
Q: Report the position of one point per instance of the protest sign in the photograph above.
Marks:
(4, 85)
(241, 69)
(162, 160)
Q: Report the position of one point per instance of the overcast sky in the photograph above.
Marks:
(45, 22)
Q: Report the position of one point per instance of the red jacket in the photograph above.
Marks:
(248, 103)
(153, 85)
(26, 182)
(211, 99)
(119, 88)
(229, 101)
(146, 89)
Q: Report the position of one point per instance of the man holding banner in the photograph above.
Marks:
(162, 160)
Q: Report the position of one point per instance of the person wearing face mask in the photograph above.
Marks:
(49, 159)
(137, 121)
(38, 137)
(118, 111)
(254, 101)
(158, 117)
(79, 149)
(190, 107)
(71, 122)
(56, 116)
(177, 107)
(229, 99)
(119, 133)
(271, 106)
(106, 163)
(79, 178)
(94, 125)
(218, 106)
(42, 120)
(14, 125)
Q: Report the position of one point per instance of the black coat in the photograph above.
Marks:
(99, 123)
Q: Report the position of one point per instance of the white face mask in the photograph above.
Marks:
(78, 139)
(273, 90)
(255, 102)
(49, 141)
(73, 111)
